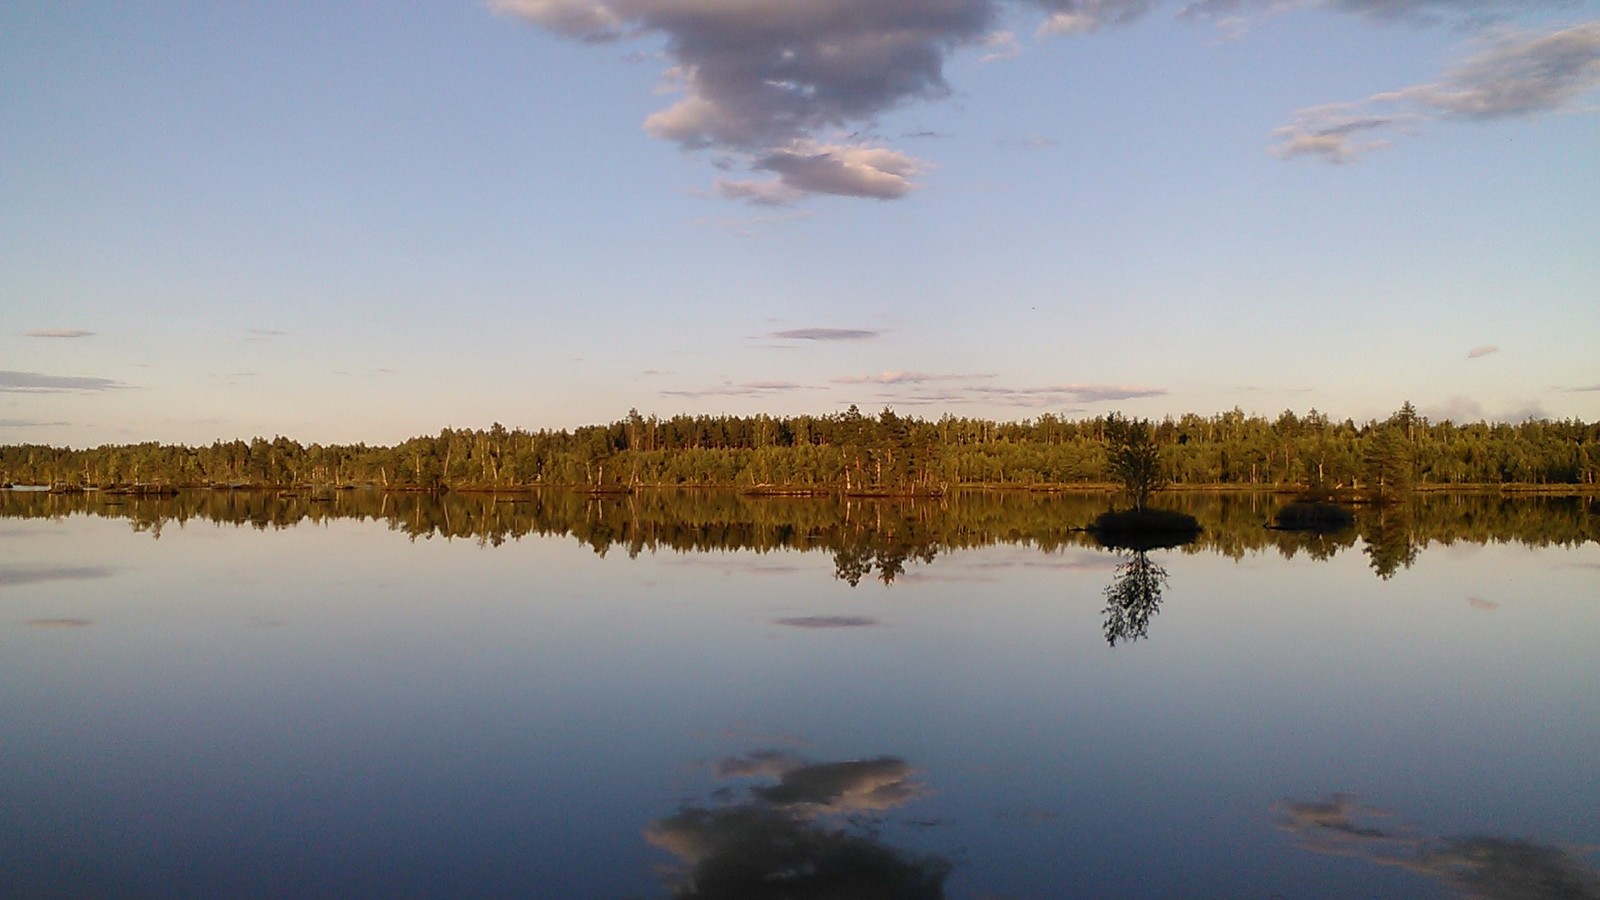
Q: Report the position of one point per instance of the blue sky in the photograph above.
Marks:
(362, 221)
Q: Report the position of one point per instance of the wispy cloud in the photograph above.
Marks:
(1063, 397)
(60, 333)
(826, 334)
(1466, 409)
(743, 389)
(1000, 45)
(1581, 390)
(1484, 350)
(35, 383)
(28, 423)
(267, 332)
(897, 377)
(1515, 74)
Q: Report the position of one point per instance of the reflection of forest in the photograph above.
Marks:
(866, 537)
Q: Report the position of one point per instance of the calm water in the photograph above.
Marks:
(572, 697)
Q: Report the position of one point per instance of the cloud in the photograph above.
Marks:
(1074, 17)
(28, 423)
(1581, 390)
(1480, 603)
(761, 82)
(827, 622)
(1515, 74)
(745, 389)
(59, 623)
(267, 332)
(845, 170)
(826, 334)
(895, 377)
(1050, 395)
(768, 87)
(1484, 350)
(1466, 409)
(60, 333)
(1060, 396)
(35, 383)
(1000, 45)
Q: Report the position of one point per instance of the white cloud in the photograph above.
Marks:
(845, 170)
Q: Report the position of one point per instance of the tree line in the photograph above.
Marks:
(855, 453)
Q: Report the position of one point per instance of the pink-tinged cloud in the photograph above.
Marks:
(898, 377)
(1484, 350)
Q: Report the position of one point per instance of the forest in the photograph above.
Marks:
(857, 454)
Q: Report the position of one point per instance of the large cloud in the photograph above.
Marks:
(785, 90)
(1514, 74)
(764, 81)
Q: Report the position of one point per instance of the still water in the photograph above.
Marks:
(565, 696)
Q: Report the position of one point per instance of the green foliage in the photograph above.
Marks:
(1132, 458)
(886, 454)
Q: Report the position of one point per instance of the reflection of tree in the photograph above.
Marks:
(783, 840)
(1133, 597)
(1390, 544)
(878, 537)
(1489, 867)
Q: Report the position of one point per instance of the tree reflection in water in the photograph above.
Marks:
(812, 834)
(1489, 867)
(1133, 597)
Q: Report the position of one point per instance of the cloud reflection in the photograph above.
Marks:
(33, 574)
(782, 840)
(827, 622)
(1488, 867)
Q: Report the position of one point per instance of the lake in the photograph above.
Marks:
(558, 695)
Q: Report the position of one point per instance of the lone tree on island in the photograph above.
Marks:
(1133, 458)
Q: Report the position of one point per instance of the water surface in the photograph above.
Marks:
(622, 697)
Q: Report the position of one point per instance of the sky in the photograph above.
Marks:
(360, 222)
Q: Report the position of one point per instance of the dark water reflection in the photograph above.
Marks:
(1486, 867)
(867, 538)
(1133, 597)
(809, 834)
